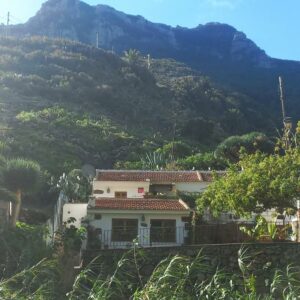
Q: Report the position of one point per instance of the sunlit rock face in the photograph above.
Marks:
(220, 51)
(76, 20)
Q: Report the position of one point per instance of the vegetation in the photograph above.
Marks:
(20, 176)
(256, 183)
(75, 186)
(21, 248)
(176, 277)
(66, 104)
(230, 148)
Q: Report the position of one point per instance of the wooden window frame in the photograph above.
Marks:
(121, 195)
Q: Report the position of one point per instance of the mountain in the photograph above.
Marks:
(66, 104)
(76, 20)
(217, 50)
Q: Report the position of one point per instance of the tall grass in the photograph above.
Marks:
(181, 277)
(40, 282)
(174, 278)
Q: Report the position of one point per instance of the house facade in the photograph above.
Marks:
(139, 206)
(142, 206)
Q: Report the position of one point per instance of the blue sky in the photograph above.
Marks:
(274, 25)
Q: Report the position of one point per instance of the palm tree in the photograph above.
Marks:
(19, 176)
(132, 56)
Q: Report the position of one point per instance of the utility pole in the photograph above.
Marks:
(148, 61)
(287, 121)
(7, 24)
(97, 39)
(282, 98)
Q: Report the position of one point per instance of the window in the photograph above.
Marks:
(163, 231)
(98, 192)
(98, 217)
(141, 190)
(120, 194)
(124, 230)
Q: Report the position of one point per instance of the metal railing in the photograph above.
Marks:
(142, 237)
(122, 238)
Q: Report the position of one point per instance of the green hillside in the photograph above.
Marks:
(65, 104)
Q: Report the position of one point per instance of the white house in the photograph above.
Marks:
(142, 206)
(138, 205)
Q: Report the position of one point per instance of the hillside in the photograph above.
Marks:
(66, 104)
(217, 50)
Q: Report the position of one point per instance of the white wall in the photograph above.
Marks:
(192, 187)
(75, 210)
(144, 239)
(131, 187)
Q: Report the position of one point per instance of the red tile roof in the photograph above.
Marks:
(153, 176)
(156, 176)
(141, 204)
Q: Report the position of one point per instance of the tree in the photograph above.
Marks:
(19, 176)
(175, 150)
(230, 148)
(257, 183)
(202, 161)
(132, 56)
(75, 186)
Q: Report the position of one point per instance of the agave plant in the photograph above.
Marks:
(154, 161)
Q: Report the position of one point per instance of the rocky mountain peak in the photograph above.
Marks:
(74, 19)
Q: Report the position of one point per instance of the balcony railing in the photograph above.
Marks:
(178, 236)
(142, 237)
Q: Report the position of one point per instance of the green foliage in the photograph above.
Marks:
(183, 277)
(175, 150)
(21, 248)
(39, 282)
(189, 198)
(132, 56)
(129, 165)
(75, 186)
(110, 279)
(154, 161)
(260, 230)
(65, 104)
(258, 182)
(21, 174)
(251, 142)
(202, 161)
(175, 277)
(72, 237)
(71, 139)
